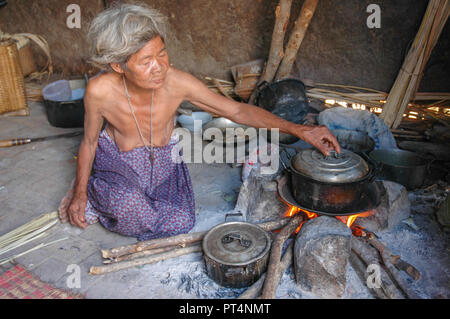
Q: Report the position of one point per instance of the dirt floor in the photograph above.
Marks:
(34, 178)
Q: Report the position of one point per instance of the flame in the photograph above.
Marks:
(348, 220)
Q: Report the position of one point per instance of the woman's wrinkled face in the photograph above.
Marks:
(148, 67)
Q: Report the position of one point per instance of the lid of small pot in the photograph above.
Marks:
(236, 243)
(337, 168)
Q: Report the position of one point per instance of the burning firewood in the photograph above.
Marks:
(254, 290)
(271, 282)
(367, 254)
(388, 257)
(361, 269)
(394, 259)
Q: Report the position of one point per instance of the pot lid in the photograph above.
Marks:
(337, 168)
(236, 243)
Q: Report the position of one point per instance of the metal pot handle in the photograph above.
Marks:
(286, 167)
(261, 86)
(230, 237)
(378, 166)
(233, 214)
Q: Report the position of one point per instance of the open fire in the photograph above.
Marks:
(348, 220)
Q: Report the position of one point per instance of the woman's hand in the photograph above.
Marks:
(76, 209)
(319, 137)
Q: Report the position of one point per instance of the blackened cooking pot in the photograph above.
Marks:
(403, 167)
(329, 184)
(287, 99)
(236, 253)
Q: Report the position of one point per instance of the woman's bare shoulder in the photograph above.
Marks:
(181, 81)
(102, 86)
(101, 90)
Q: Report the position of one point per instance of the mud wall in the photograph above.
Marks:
(208, 37)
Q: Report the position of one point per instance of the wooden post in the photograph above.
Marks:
(282, 14)
(296, 38)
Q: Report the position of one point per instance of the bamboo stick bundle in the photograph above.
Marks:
(226, 88)
(28, 232)
(41, 245)
(409, 76)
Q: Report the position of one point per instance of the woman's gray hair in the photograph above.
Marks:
(122, 30)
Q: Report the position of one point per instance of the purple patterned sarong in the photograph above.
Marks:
(129, 196)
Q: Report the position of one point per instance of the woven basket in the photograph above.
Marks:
(12, 86)
(27, 63)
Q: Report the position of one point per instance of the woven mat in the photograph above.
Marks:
(18, 283)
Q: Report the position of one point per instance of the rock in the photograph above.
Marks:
(321, 254)
(267, 206)
(394, 208)
(258, 199)
(443, 213)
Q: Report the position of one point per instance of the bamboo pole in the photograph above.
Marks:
(296, 38)
(403, 79)
(408, 79)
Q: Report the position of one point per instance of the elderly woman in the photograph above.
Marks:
(136, 189)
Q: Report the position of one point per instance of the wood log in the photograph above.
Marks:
(99, 270)
(144, 253)
(296, 38)
(254, 290)
(271, 282)
(386, 257)
(176, 241)
(276, 53)
(398, 262)
(370, 257)
(360, 267)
